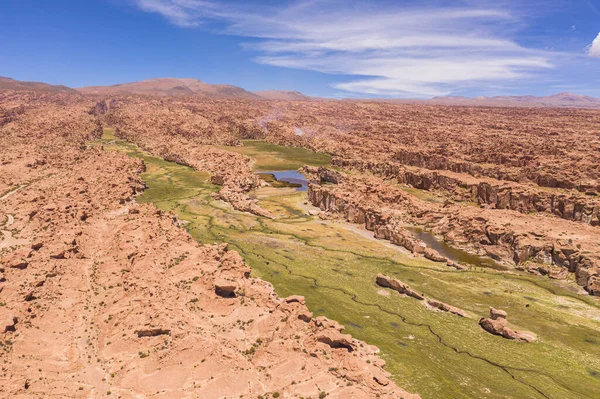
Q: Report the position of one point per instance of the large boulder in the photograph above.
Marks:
(593, 285)
(434, 255)
(8, 321)
(444, 307)
(496, 314)
(497, 324)
(397, 285)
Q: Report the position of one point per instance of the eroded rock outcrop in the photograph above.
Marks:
(398, 286)
(173, 134)
(403, 289)
(127, 291)
(498, 194)
(497, 324)
(444, 307)
(500, 234)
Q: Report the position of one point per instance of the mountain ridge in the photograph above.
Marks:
(171, 87)
(559, 100)
(165, 87)
(283, 95)
(7, 83)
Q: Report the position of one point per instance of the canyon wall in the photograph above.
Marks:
(546, 256)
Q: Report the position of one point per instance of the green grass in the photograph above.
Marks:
(272, 157)
(435, 354)
(421, 194)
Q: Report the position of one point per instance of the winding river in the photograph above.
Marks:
(334, 264)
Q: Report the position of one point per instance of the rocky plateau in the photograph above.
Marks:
(101, 295)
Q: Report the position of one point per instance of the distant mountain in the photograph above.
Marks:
(561, 100)
(17, 85)
(172, 87)
(194, 87)
(283, 95)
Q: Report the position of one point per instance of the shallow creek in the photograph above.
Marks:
(436, 354)
(454, 254)
(285, 178)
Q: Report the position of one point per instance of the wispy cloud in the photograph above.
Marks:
(407, 51)
(594, 50)
(594, 9)
(185, 13)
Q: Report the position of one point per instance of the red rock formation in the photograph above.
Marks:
(116, 297)
(528, 241)
(496, 193)
(444, 307)
(497, 324)
(397, 285)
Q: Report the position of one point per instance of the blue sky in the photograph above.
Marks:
(329, 48)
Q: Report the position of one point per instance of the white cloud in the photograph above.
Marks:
(185, 13)
(594, 50)
(410, 51)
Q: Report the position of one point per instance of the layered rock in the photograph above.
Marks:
(496, 193)
(500, 172)
(385, 210)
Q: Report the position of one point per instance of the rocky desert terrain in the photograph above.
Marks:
(104, 297)
(143, 256)
(519, 185)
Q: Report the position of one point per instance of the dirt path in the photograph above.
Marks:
(7, 238)
(8, 194)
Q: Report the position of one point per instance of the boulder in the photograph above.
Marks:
(594, 285)
(17, 259)
(218, 180)
(434, 255)
(8, 322)
(305, 316)
(494, 326)
(444, 307)
(225, 288)
(498, 325)
(397, 285)
(18, 264)
(37, 245)
(30, 296)
(326, 323)
(496, 314)
(58, 254)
